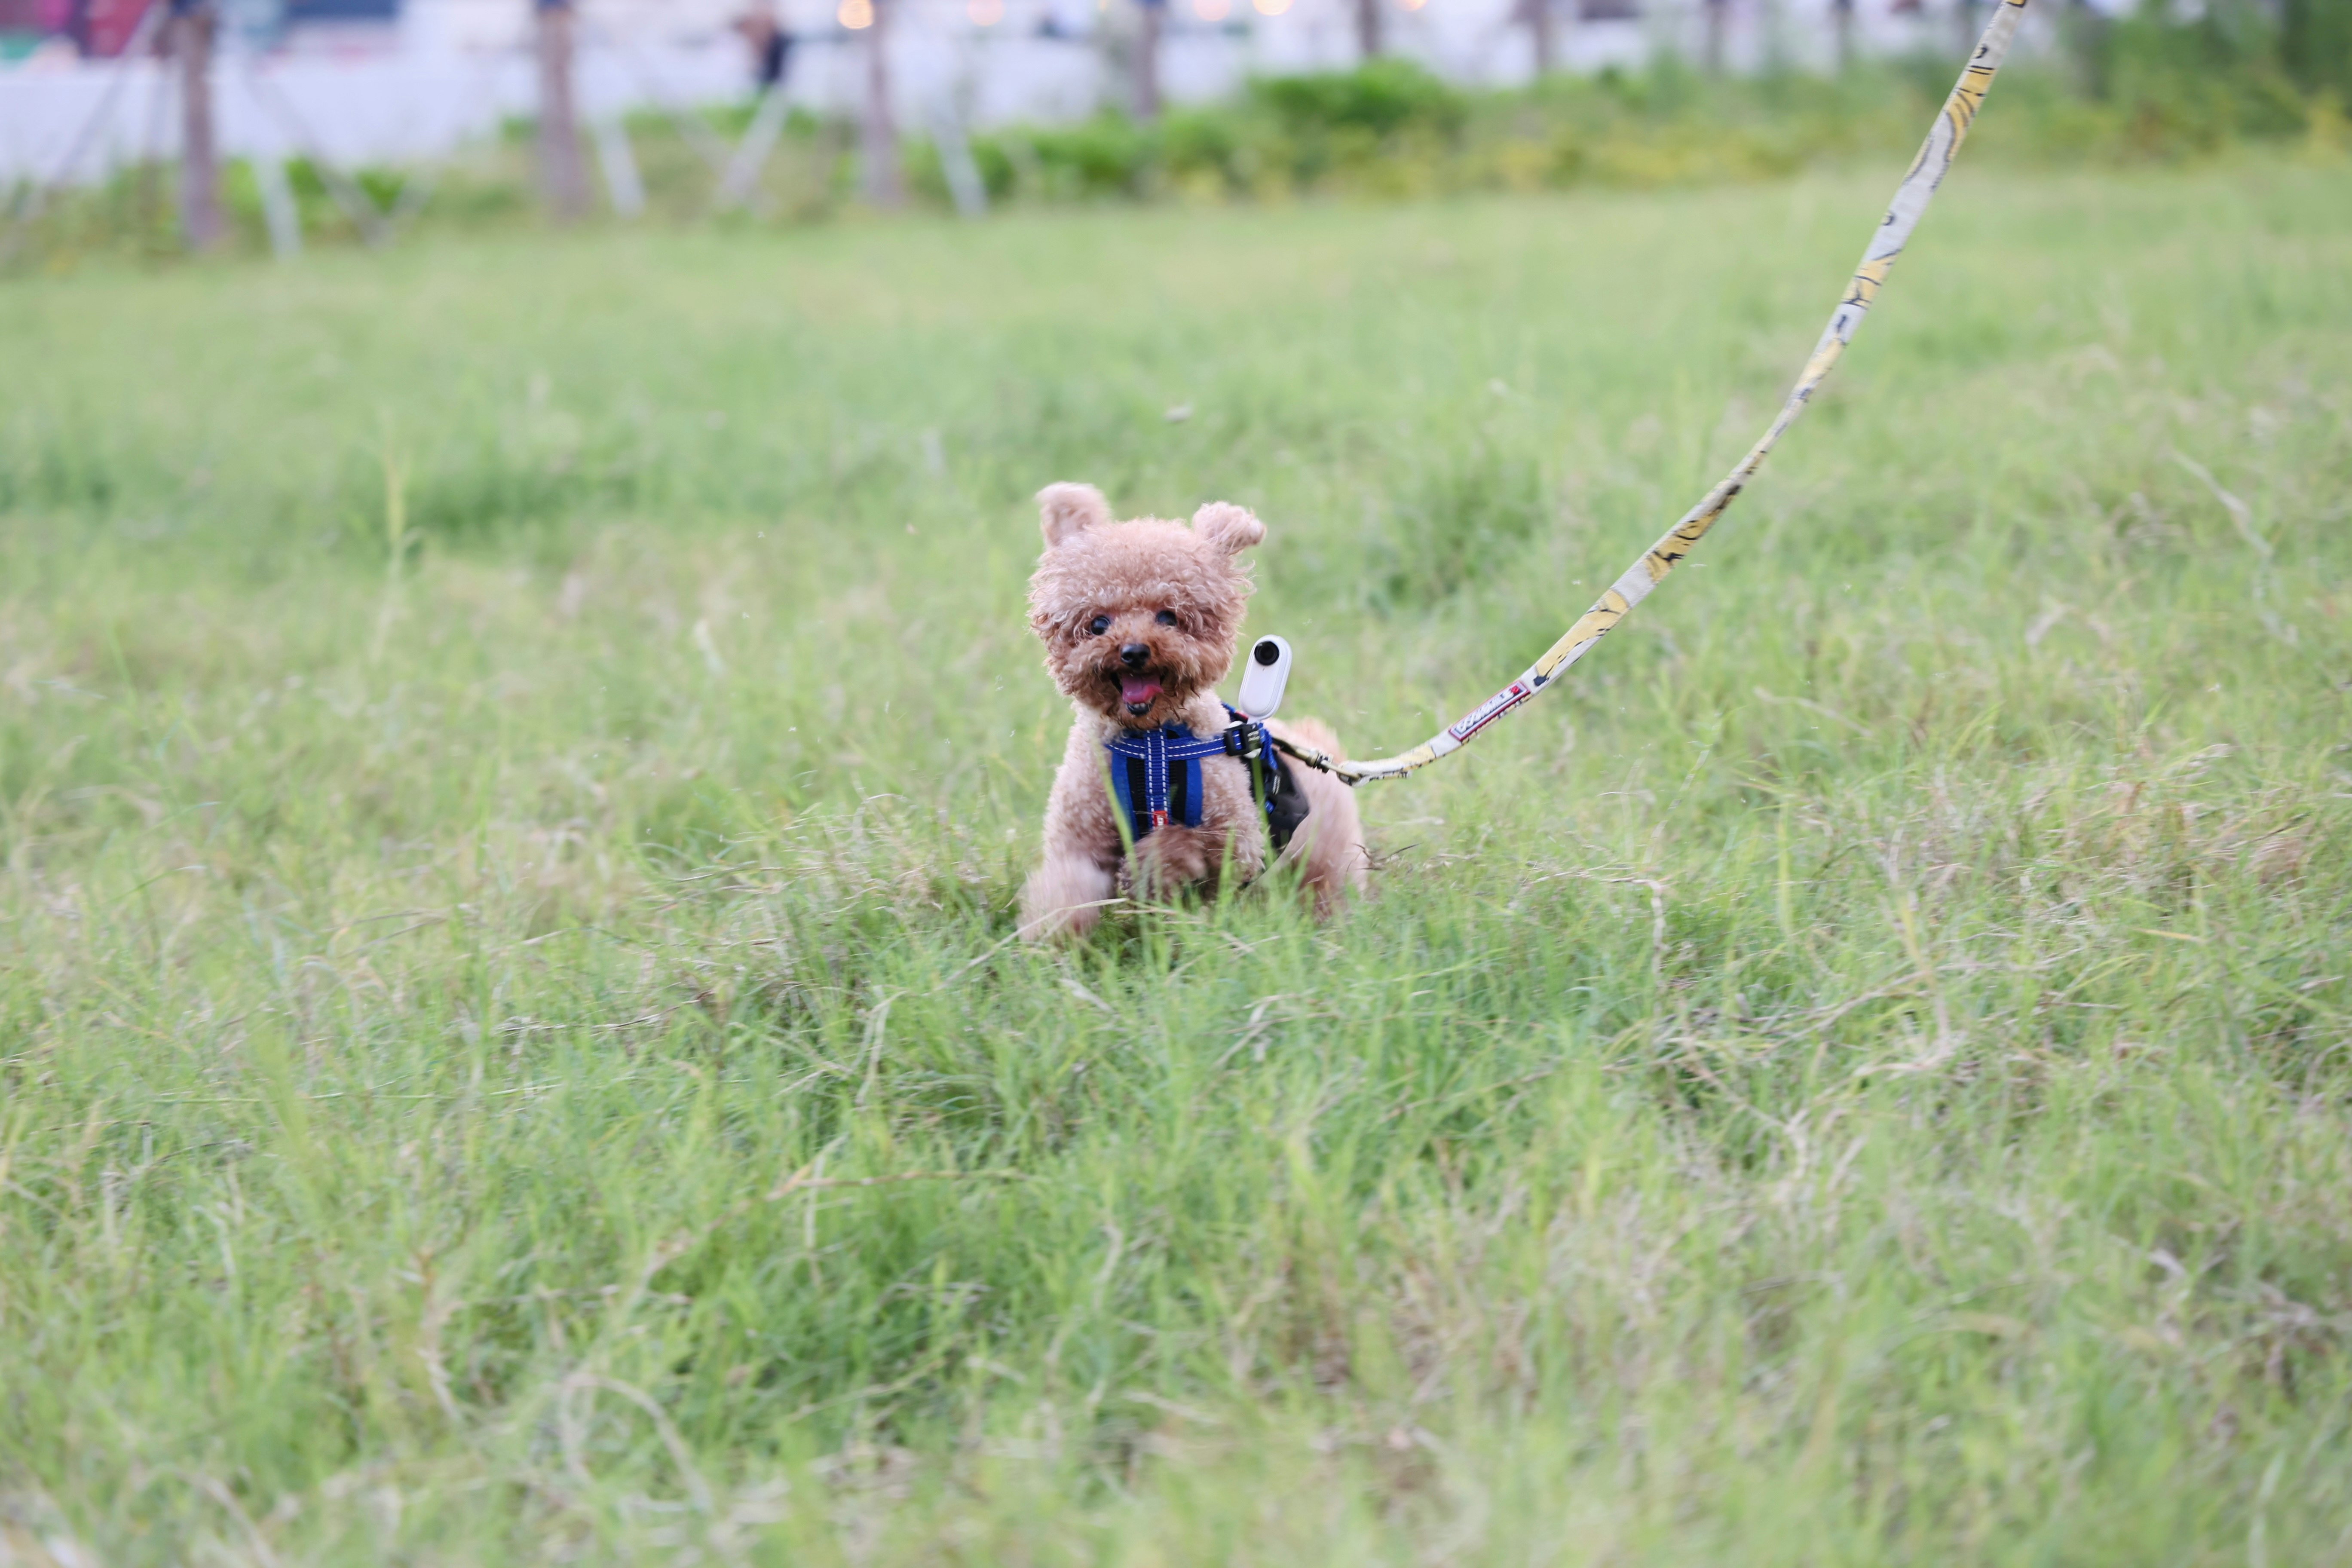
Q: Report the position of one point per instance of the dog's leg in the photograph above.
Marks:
(1335, 860)
(1064, 897)
(1330, 848)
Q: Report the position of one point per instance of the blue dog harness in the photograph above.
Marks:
(1156, 775)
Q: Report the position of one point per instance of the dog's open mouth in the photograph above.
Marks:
(1138, 692)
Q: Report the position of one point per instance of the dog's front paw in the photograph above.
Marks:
(1062, 899)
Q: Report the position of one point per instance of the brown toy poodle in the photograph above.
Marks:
(1139, 622)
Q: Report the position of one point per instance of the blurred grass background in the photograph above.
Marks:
(516, 756)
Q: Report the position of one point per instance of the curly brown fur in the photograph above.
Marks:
(1139, 621)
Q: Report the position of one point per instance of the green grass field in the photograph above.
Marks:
(516, 756)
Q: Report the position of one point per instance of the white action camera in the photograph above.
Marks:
(1264, 675)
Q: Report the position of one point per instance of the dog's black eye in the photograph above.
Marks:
(1099, 625)
(1166, 617)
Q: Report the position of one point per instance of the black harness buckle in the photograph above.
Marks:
(1270, 784)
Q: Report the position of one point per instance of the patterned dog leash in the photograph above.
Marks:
(1911, 198)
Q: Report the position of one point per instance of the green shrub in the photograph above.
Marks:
(2134, 90)
(1381, 98)
(2183, 87)
(2315, 46)
(1108, 155)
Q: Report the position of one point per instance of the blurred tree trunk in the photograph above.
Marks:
(193, 26)
(1147, 58)
(1842, 13)
(1368, 29)
(878, 128)
(1540, 34)
(562, 173)
(1718, 19)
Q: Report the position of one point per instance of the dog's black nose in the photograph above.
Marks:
(1133, 654)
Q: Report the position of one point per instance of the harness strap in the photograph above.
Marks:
(1155, 776)
(1151, 793)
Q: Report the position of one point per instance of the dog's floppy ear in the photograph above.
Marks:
(1067, 510)
(1230, 528)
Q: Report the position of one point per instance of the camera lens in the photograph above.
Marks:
(1268, 651)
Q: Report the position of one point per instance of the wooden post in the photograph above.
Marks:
(563, 174)
(878, 128)
(278, 205)
(1540, 34)
(622, 185)
(1368, 29)
(740, 184)
(194, 24)
(1147, 58)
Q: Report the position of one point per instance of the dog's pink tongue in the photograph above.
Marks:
(1134, 690)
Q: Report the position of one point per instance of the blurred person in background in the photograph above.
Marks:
(770, 45)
